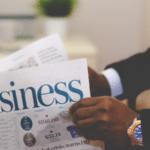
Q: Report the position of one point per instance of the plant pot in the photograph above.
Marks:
(56, 25)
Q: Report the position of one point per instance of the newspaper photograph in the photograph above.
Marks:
(34, 106)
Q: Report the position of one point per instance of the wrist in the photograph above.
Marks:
(105, 85)
(99, 85)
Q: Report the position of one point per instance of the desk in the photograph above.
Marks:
(77, 46)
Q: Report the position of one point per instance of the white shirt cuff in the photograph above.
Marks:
(114, 81)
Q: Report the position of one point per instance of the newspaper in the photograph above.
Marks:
(42, 52)
(34, 101)
(34, 107)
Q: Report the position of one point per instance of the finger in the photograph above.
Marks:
(83, 113)
(87, 125)
(83, 103)
(78, 130)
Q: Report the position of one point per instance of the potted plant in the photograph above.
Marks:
(56, 13)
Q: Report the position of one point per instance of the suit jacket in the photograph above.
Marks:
(135, 76)
(134, 73)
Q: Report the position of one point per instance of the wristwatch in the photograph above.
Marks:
(135, 132)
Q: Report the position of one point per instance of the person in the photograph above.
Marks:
(104, 117)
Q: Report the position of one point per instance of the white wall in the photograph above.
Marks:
(16, 7)
(146, 24)
(115, 26)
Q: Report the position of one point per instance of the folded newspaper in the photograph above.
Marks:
(34, 101)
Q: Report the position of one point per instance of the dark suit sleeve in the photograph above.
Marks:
(135, 76)
(145, 122)
(134, 73)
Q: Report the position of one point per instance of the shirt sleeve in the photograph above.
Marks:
(114, 81)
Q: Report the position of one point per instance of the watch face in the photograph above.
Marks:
(138, 133)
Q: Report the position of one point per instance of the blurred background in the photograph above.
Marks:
(105, 30)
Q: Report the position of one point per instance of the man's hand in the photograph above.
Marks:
(103, 118)
(99, 85)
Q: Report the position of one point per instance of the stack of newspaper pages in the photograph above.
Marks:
(37, 86)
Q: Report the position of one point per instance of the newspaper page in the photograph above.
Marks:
(44, 51)
(34, 106)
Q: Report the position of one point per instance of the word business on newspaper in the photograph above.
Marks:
(10, 98)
